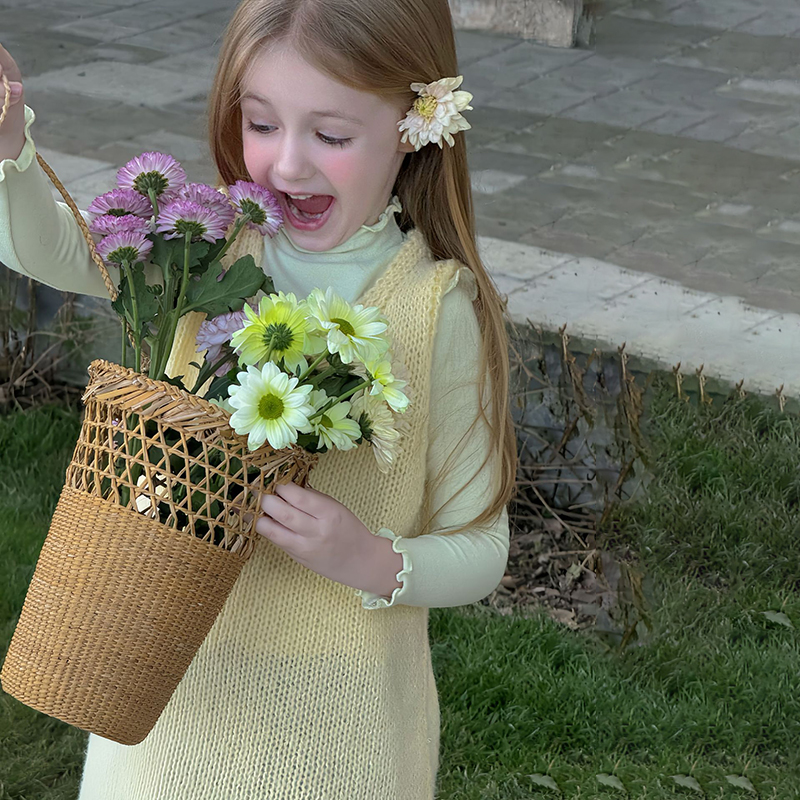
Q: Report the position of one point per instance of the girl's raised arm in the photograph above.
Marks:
(39, 237)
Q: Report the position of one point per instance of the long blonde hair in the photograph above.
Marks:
(382, 46)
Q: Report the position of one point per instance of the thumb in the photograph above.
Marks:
(15, 90)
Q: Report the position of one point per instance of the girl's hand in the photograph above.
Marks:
(322, 534)
(12, 131)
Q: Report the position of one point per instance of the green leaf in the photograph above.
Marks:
(546, 781)
(741, 782)
(213, 250)
(167, 253)
(214, 295)
(219, 386)
(779, 617)
(688, 782)
(176, 381)
(145, 297)
(198, 257)
(611, 780)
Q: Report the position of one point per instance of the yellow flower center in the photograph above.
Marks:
(344, 326)
(270, 407)
(426, 107)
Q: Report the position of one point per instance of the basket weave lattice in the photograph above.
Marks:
(154, 524)
(121, 599)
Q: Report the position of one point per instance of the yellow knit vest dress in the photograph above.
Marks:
(299, 693)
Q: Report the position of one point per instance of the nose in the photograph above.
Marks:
(291, 163)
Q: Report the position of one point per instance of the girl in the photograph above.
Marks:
(301, 689)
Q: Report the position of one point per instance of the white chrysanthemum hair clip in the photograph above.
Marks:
(435, 114)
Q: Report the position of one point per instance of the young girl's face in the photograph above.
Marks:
(296, 143)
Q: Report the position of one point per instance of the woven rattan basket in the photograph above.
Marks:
(153, 526)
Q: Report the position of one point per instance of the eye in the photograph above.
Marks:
(326, 139)
(336, 142)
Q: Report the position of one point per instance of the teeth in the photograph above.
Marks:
(299, 196)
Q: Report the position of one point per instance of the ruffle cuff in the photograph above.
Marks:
(371, 601)
(28, 154)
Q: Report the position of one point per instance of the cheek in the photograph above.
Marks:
(350, 170)
(255, 156)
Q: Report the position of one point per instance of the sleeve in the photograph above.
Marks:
(39, 237)
(442, 570)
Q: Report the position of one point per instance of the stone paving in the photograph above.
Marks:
(670, 150)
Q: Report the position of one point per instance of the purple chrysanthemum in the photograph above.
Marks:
(209, 197)
(260, 204)
(183, 216)
(157, 171)
(119, 202)
(108, 224)
(215, 333)
(130, 246)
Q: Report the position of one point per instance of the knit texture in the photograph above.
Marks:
(298, 693)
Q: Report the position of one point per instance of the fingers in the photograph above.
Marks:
(277, 533)
(307, 499)
(13, 86)
(286, 513)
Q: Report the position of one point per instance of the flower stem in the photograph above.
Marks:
(185, 281)
(303, 375)
(154, 200)
(240, 223)
(165, 346)
(208, 370)
(137, 344)
(334, 400)
(320, 376)
(124, 358)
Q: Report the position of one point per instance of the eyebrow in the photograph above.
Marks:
(326, 113)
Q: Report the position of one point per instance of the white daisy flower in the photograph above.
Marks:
(354, 332)
(436, 113)
(386, 386)
(270, 406)
(334, 427)
(379, 427)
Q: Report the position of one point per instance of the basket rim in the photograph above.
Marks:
(101, 370)
(128, 390)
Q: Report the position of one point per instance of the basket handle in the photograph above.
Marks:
(112, 290)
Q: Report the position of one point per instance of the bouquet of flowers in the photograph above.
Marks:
(157, 515)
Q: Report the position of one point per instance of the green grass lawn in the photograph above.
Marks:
(713, 692)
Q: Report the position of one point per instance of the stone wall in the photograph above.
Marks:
(553, 22)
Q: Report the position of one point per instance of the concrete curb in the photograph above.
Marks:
(658, 319)
(552, 22)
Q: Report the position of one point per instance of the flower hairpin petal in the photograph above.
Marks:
(436, 113)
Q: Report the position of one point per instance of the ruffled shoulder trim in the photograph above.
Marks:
(369, 600)
(28, 154)
(466, 277)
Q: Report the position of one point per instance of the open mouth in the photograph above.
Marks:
(309, 214)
